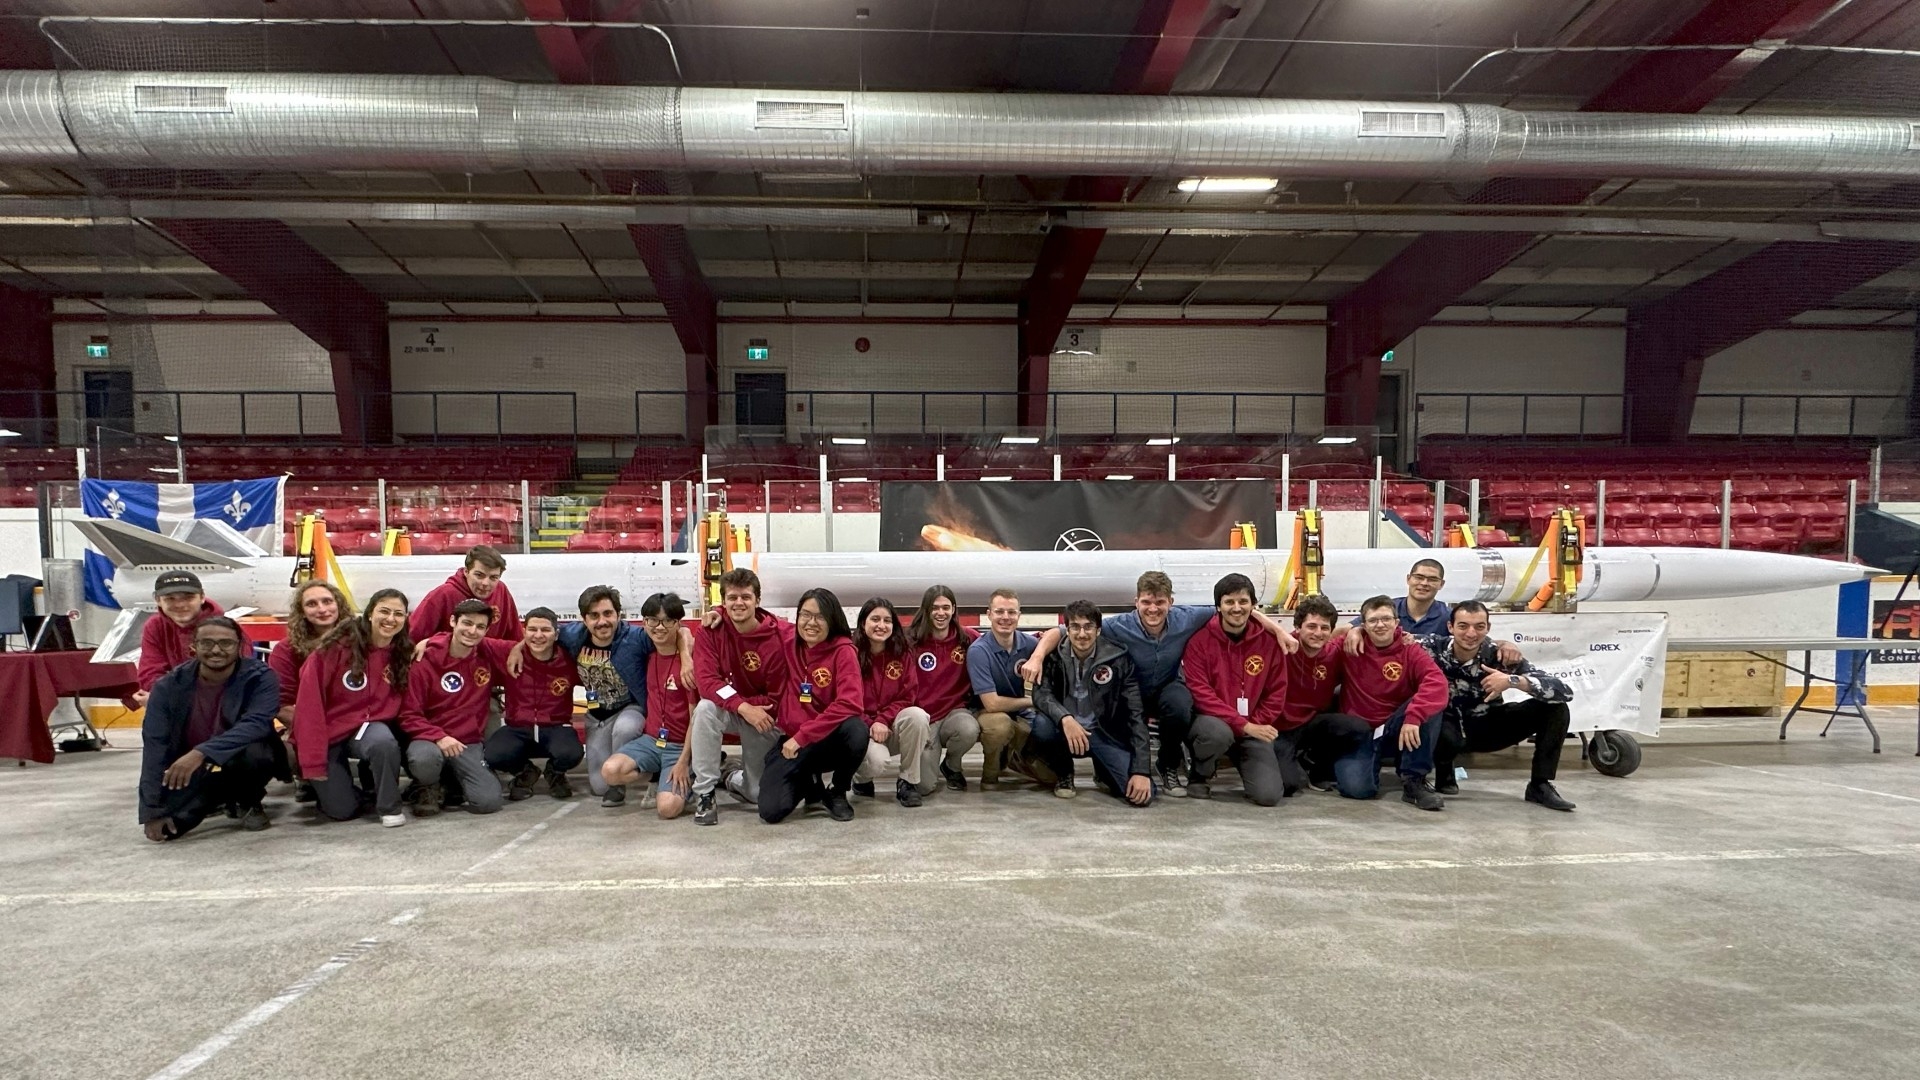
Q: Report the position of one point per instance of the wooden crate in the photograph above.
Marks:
(1731, 681)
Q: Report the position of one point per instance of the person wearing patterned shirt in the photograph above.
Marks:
(1480, 719)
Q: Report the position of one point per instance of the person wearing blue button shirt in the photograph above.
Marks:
(1006, 698)
(1421, 611)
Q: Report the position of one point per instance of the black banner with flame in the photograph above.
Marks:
(1073, 515)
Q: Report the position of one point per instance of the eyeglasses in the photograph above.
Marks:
(217, 645)
(1425, 579)
(808, 617)
(1384, 620)
(660, 624)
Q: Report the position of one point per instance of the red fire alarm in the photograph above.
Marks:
(861, 344)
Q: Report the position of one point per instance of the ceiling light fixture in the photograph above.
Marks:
(1338, 440)
(1221, 185)
(1019, 439)
(842, 440)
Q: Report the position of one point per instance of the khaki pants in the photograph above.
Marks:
(909, 737)
(1003, 731)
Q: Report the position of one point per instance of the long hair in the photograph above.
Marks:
(357, 635)
(830, 610)
(302, 636)
(922, 627)
(895, 645)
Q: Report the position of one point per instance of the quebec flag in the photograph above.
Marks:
(251, 507)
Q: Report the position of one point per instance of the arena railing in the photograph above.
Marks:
(1561, 415)
(932, 412)
(281, 415)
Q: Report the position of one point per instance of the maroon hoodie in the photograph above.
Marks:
(886, 687)
(165, 644)
(823, 693)
(446, 696)
(735, 669)
(1241, 681)
(434, 614)
(333, 704)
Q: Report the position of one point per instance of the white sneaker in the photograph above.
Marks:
(647, 800)
(392, 821)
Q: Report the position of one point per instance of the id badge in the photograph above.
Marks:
(1241, 704)
(806, 693)
(661, 739)
(593, 696)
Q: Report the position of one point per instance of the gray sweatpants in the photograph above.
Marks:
(606, 737)
(710, 724)
(426, 764)
(948, 739)
(908, 737)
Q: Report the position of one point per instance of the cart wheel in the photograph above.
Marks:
(1613, 753)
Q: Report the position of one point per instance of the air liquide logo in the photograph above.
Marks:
(1538, 639)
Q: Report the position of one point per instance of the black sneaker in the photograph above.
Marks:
(863, 787)
(255, 818)
(1063, 788)
(1323, 783)
(452, 798)
(837, 805)
(1198, 789)
(558, 785)
(1542, 792)
(615, 796)
(522, 785)
(1415, 790)
(306, 794)
(429, 800)
(1446, 782)
(906, 793)
(956, 780)
(233, 811)
(1171, 786)
(705, 810)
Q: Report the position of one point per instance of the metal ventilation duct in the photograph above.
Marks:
(477, 125)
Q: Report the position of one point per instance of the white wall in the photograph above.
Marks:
(1544, 360)
(823, 356)
(1809, 362)
(181, 355)
(1194, 361)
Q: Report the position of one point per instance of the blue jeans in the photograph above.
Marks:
(1112, 760)
(1358, 772)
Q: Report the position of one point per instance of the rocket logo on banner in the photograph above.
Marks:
(251, 507)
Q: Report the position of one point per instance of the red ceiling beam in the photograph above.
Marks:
(1436, 270)
(275, 266)
(27, 375)
(1163, 35)
(665, 250)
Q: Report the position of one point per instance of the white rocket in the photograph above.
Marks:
(1042, 578)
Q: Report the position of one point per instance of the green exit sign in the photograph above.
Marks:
(97, 350)
(757, 349)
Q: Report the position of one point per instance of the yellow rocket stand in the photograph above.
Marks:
(396, 542)
(314, 558)
(1307, 562)
(1564, 548)
(717, 542)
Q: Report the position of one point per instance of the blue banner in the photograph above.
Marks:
(251, 507)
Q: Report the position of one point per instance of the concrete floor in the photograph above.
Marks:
(1740, 907)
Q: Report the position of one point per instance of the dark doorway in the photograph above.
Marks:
(760, 399)
(109, 399)
(1387, 412)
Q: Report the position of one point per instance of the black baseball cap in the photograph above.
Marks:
(176, 581)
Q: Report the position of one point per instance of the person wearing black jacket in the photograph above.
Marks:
(208, 738)
(1087, 704)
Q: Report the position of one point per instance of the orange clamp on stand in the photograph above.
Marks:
(716, 545)
(1308, 559)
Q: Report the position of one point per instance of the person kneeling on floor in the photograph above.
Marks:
(446, 713)
(1088, 704)
(1479, 719)
(822, 715)
(1392, 684)
(1238, 675)
(539, 711)
(660, 752)
(207, 738)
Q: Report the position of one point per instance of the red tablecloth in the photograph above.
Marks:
(31, 684)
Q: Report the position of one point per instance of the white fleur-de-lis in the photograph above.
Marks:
(115, 505)
(236, 508)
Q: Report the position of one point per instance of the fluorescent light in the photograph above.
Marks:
(840, 440)
(1120, 476)
(1338, 440)
(990, 478)
(8, 433)
(853, 479)
(1163, 442)
(171, 438)
(1251, 478)
(159, 469)
(1019, 438)
(1224, 184)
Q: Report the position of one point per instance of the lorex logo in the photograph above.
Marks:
(1604, 646)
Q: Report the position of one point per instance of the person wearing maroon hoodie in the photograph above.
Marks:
(895, 724)
(1238, 676)
(822, 714)
(1394, 685)
(351, 690)
(1311, 733)
(445, 714)
(479, 580)
(538, 718)
(166, 641)
(317, 607)
(659, 752)
(742, 662)
(937, 663)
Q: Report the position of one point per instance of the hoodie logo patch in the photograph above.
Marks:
(1392, 670)
(750, 661)
(958, 655)
(559, 687)
(1255, 664)
(355, 683)
(673, 682)
(483, 676)
(451, 682)
(895, 669)
(1319, 673)
(1102, 675)
(822, 678)
(927, 661)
